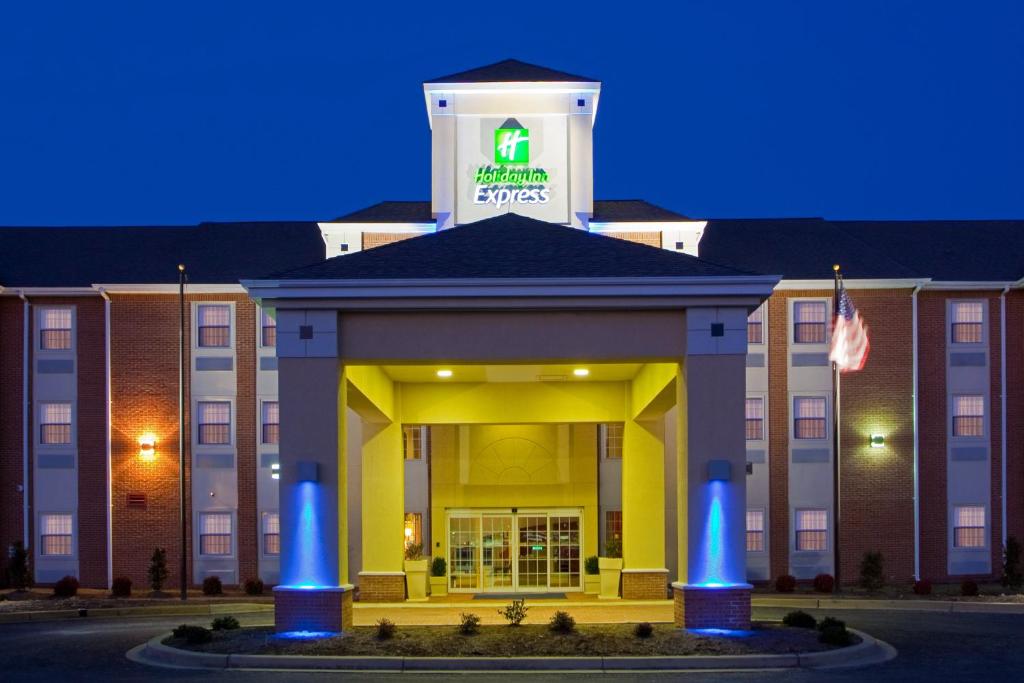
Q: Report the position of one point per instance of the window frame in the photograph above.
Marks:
(984, 528)
(201, 349)
(424, 439)
(747, 420)
(197, 429)
(604, 438)
(263, 327)
(608, 526)
(827, 333)
(72, 435)
(40, 314)
(826, 432)
(954, 417)
(264, 424)
(760, 311)
(826, 530)
(200, 535)
(264, 516)
(951, 324)
(72, 536)
(762, 532)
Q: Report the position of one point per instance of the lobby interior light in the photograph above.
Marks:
(275, 471)
(877, 441)
(444, 374)
(147, 447)
(581, 372)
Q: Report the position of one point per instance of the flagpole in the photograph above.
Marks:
(835, 439)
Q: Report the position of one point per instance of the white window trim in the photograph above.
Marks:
(791, 322)
(792, 417)
(602, 441)
(37, 333)
(259, 329)
(267, 447)
(764, 531)
(228, 350)
(985, 419)
(828, 530)
(59, 447)
(953, 346)
(764, 327)
(952, 529)
(764, 420)
(232, 436)
(38, 554)
(263, 554)
(199, 533)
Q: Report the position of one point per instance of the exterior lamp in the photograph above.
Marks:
(444, 374)
(581, 372)
(275, 471)
(877, 441)
(147, 447)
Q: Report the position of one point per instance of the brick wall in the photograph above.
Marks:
(778, 434)
(381, 588)
(651, 238)
(1015, 413)
(11, 340)
(711, 608)
(312, 610)
(931, 326)
(379, 239)
(996, 436)
(245, 348)
(644, 585)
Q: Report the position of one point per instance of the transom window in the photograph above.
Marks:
(415, 442)
(755, 419)
(271, 533)
(214, 325)
(214, 422)
(609, 440)
(55, 423)
(755, 531)
(612, 526)
(755, 326)
(215, 533)
(268, 328)
(271, 423)
(812, 530)
(809, 417)
(55, 329)
(55, 536)
(969, 526)
(966, 322)
(809, 319)
(413, 529)
(969, 415)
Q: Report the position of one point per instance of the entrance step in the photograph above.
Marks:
(519, 596)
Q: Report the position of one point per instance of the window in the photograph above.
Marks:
(755, 419)
(755, 326)
(609, 440)
(809, 417)
(214, 422)
(415, 442)
(215, 533)
(413, 529)
(271, 533)
(968, 416)
(809, 322)
(55, 534)
(811, 530)
(271, 423)
(268, 327)
(55, 329)
(214, 326)
(612, 526)
(969, 526)
(967, 318)
(755, 531)
(55, 423)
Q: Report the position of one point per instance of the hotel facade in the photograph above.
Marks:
(511, 374)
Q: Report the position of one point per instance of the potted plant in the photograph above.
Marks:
(610, 567)
(591, 576)
(438, 577)
(415, 572)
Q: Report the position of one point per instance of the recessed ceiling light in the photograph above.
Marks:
(444, 373)
(581, 372)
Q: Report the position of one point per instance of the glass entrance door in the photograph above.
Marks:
(533, 552)
(497, 552)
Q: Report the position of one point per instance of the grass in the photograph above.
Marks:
(589, 640)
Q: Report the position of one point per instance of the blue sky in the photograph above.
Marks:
(165, 113)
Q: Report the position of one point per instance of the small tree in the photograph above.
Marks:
(18, 568)
(1013, 573)
(613, 548)
(158, 569)
(872, 576)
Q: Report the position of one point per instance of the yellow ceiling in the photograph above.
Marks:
(599, 372)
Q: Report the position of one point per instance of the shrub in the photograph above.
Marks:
(799, 619)
(923, 587)
(158, 569)
(834, 633)
(253, 587)
(414, 551)
(18, 571)
(785, 584)
(121, 587)
(514, 612)
(613, 547)
(225, 623)
(438, 567)
(590, 565)
(824, 583)
(562, 622)
(872, 576)
(212, 586)
(643, 630)
(193, 635)
(1013, 572)
(469, 623)
(386, 629)
(969, 588)
(66, 587)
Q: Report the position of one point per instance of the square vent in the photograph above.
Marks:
(137, 501)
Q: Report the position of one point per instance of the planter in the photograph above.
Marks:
(416, 579)
(611, 574)
(591, 584)
(439, 585)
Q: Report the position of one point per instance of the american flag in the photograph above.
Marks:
(850, 344)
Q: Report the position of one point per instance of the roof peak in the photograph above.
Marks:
(512, 71)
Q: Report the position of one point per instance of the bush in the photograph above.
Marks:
(799, 619)
(591, 566)
(643, 630)
(438, 567)
(225, 623)
(923, 587)
(562, 622)
(514, 612)
(66, 587)
(469, 623)
(121, 587)
(785, 584)
(1013, 572)
(18, 571)
(969, 588)
(386, 629)
(835, 634)
(212, 586)
(872, 576)
(193, 635)
(158, 569)
(414, 551)
(824, 583)
(613, 547)
(253, 587)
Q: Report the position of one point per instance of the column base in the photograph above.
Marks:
(644, 584)
(381, 586)
(725, 607)
(313, 609)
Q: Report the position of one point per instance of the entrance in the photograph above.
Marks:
(501, 551)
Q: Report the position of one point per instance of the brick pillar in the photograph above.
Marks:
(317, 609)
(705, 607)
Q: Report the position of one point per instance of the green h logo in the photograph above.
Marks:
(511, 146)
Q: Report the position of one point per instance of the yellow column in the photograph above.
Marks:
(383, 500)
(643, 495)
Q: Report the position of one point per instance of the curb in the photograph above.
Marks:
(899, 605)
(865, 653)
(208, 609)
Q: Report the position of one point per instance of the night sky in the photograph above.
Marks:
(122, 113)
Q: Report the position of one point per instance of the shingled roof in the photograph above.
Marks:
(512, 71)
(605, 211)
(509, 246)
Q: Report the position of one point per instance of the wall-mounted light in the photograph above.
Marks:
(444, 374)
(147, 447)
(719, 470)
(307, 471)
(275, 471)
(581, 372)
(877, 441)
